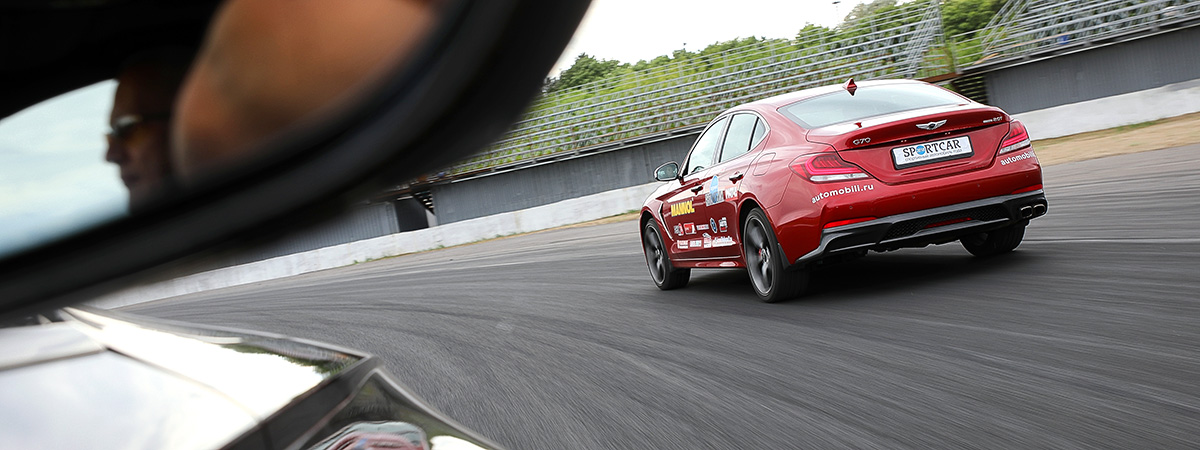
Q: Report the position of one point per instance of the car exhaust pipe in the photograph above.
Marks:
(1039, 209)
(1026, 212)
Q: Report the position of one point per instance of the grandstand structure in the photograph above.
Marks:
(1024, 30)
(904, 43)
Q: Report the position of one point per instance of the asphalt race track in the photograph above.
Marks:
(1087, 336)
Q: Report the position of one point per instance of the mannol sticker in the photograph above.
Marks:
(1013, 159)
(842, 191)
(681, 208)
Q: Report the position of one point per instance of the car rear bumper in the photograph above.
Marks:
(921, 228)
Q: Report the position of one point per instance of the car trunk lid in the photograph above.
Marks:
(919, 144)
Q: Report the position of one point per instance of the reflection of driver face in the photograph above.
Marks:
(140, 126)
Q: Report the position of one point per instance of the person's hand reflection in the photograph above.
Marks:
(140, 122)
(268, 64)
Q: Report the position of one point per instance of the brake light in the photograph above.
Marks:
(1016, 139)
(825, 167)
(838, 223)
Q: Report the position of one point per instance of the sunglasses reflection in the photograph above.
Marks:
(140, 123)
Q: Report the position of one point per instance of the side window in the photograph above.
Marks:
(737, 142)
(760, 132)
(706, 147)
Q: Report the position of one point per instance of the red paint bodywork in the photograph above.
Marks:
(787, 198)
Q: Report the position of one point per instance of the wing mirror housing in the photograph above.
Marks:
(667, 172)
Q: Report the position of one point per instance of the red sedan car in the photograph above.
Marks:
(782, 184)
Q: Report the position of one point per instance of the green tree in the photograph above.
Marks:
(961, 16)
(585, 69)
(864, 10)
(812, 35)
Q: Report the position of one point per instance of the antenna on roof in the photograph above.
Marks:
(850, 86)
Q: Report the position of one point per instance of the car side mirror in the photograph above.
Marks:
(667, 172)
(250, 145)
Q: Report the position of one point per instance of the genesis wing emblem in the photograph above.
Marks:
(931, 125)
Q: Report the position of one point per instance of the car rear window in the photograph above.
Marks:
(867, 101)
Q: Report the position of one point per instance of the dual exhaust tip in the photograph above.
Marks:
(1033, 210)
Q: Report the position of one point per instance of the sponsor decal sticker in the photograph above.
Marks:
(682, 244)
(932, 152)
(1013, 159)
(701, 227)
(689, 228)
(712, 224)
(678, 230)
(724, 225)
(731, 193)
(682, 208)
(714, 195)
(843, 191)
(707, 241)
(696, 243)
(722, 241)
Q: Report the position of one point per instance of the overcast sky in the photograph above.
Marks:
(53, 177)
(632, 30)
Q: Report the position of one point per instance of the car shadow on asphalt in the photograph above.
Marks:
(871, 277)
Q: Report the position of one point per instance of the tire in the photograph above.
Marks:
(665, 275)
(770, 276)
(994, 242)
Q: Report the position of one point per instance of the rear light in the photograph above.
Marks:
(1017, 138)
(825, 167)
(838, 223)
(1036, 187)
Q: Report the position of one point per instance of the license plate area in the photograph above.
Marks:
(931, 152)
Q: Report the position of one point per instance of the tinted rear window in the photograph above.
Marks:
(866, 102)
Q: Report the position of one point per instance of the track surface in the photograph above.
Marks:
(1087, 336)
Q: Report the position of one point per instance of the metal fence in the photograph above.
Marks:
(897, 44)
(1024, 28)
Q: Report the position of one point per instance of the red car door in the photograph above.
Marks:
(746, 132)
(683, 210)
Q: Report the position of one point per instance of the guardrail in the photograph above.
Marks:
(895, 45)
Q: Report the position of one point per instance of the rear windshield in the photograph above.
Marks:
(869, 101)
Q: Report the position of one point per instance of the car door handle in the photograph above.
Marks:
(696, 190)
(737, 176)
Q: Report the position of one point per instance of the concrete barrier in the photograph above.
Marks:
(566, 212)
(1125, 109)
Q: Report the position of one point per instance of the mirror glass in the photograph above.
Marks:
(171, 116)
(53, 175)
(667, 172)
